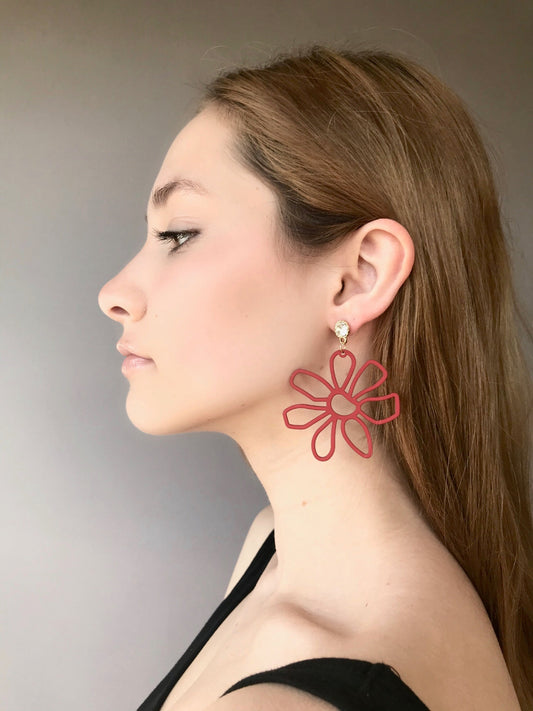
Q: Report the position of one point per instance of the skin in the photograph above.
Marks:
(226, 322)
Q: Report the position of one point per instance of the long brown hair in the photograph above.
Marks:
(345, 137)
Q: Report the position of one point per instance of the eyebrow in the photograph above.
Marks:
(162, 193)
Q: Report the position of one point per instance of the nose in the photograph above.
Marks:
(120, 299)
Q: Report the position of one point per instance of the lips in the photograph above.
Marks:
(127, 350)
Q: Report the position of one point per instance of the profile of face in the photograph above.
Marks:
(223, 318)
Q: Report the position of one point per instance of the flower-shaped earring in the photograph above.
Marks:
(341, 392)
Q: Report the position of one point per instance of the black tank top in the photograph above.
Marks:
(347, 684)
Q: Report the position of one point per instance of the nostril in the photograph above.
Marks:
(118, 310)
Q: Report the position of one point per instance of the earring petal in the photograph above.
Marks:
(359, 373)
(317, 382)
(309, 414)
(328, 445)
(351, 432)
(341, 367)
(395, 414)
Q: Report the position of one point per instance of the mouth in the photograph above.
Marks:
(134, 364)
(127, 351)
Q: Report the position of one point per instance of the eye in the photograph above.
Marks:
(179, 237)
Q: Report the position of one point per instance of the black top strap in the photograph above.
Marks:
(347, 684)
(243, 587)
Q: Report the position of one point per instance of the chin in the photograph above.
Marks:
(154, 423)
(143, 419)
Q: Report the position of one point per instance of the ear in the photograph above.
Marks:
(371, 266)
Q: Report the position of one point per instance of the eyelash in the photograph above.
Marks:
(170, 235)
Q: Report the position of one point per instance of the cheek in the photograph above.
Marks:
(225, 327)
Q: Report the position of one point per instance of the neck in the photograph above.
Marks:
(324, 509)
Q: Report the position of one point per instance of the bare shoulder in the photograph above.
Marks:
(436, 635)
(259, 529)
(439, 638)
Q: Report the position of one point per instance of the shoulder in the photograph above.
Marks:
(438, 637)
(261, 526)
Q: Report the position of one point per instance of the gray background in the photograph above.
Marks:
(116, 546)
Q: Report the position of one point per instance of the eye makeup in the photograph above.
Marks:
(179, 237)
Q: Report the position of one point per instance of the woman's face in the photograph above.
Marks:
(223, 319)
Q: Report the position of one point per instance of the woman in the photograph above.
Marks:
(325, 280)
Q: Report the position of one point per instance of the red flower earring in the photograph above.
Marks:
(342, 389)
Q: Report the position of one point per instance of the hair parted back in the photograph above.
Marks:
(345, 137)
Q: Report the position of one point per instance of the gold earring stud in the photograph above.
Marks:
(342, 329)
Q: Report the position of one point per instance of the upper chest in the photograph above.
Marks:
(221, 661)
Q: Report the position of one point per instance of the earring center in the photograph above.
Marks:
(342, 406)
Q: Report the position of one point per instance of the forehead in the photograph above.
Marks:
(201, 142)
(204, 152)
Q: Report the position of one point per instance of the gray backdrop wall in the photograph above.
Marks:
(116, 546)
